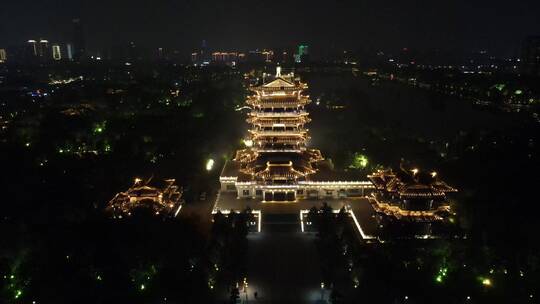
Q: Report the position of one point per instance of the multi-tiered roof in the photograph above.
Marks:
(278, 134)
(166, 200)
(405, 185)
(410, 194)
(278, 115)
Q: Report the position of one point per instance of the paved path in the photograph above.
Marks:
(360, 206)
(283, 265)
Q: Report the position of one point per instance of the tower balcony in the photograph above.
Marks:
(284, 121)
(287, 102)
(289, 140)
(279, 90)
(279, 114)
(278, 128)
(280, 147)
(257, 134)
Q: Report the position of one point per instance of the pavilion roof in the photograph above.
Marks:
(281, 164)
(409, 186)
(142, 195)
(279, 83)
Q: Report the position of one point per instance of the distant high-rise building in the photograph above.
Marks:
(194, 57)
(56, 52)
(70, 51)
(303, 50)
(531, 56)
(33, 50)
(241, 57)
(43, 48)
(132, 51)
(3, 56)
(160, 53)
(79, 42)
(204, 54)
(229, 58)
(302, 54)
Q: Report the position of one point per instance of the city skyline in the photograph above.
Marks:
(348, 25)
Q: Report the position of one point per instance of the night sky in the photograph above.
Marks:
(496, 25)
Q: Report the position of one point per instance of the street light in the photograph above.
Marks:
(209, 164)
(245, 288)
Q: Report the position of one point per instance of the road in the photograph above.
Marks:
(283, 265)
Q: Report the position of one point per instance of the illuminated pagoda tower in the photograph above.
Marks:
(411, 199)
(278, 118)
(164, 201)
(277, 165)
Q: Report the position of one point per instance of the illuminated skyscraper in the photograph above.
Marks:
(56, 52)
(33, 47)
(160, 53)
(3, 56)
(302, 54)
(303, 50)
(195, 57)
(70, 51)
(43, 50)
(204, 56)
(225, 57)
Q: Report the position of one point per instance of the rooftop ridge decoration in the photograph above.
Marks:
(411, 195)
(279, 83)
(166, 200)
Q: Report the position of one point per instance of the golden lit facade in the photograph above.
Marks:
(166, 200)
(3, 56)
(278, 116)
(410, 195)
(277, 165)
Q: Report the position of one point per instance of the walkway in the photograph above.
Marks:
(283, 265)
